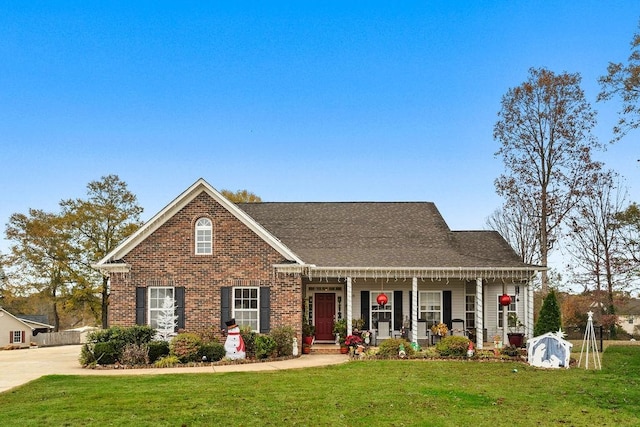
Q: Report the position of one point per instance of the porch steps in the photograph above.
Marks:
(325, 349)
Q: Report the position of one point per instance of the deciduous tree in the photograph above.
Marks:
(109, 214)
(623, 81)
(544, 131)
(241, 196)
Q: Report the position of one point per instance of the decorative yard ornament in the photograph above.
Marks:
(382, 299)
(234, 344)
(505, 300)
(589, 343)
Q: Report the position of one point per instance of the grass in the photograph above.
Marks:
(387, 393)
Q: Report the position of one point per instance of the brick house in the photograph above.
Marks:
(275, 264)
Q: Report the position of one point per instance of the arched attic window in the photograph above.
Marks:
(204, 236)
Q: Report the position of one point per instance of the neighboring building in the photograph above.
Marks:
(271, 264)
(17, 332)
(629, 317)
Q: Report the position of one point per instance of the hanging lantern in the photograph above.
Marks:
(382, 299)
(505, 300)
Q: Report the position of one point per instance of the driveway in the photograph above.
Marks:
(18, 367)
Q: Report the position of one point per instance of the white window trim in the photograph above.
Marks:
(203, 228)
(256, 310)
(17, 336)
(149, 309)
(420, 311)
(372, 298)
(514, 302)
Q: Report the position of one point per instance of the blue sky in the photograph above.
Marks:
(295, 101)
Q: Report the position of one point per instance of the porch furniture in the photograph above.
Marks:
(423, 333)
(457, 327)
(384, 331)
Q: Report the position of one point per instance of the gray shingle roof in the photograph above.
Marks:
(379, 234)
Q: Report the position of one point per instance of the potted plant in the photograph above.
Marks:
(340, 331)
(516, 330)
(308, 332)
(357, 324)
(352, 341)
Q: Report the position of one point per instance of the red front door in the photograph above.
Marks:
(325, 308)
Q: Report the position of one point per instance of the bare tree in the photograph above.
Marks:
(544, 129)
(595, 240)
(514, 224)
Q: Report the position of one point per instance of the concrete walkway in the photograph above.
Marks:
(18, 367)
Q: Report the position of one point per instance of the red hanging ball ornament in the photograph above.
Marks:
(505, 300)
(382, 299)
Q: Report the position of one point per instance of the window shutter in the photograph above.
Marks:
(225, 306)
(397, 310)
(141, 305)
(179, 292)
(10, 337)
(446, 308)
(23, 337)
(364, 307)
(265, 309)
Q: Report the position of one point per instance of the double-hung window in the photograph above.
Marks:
(430, 304)
(470, 306)
(157, 296)
(246, 304)
(204, 237)
(511, 309)
(17, 336)
(381, 313)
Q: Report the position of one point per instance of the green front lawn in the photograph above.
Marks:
(392, 393)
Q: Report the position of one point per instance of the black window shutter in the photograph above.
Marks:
(22, 337)
(446, 308)
(397, 310)
(365, 297)
(265, 309)
(225, 305)
(179, 292)
(141, 305)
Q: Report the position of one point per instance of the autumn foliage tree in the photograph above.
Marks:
(544, 130)
(241, 196)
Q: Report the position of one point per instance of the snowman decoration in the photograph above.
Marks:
(234, 344)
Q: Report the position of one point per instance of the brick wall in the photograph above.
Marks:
(167, 257)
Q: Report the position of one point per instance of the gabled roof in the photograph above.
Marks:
(30, 324)
(379, 234)
(111, 262)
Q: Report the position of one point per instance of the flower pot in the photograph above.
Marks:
(344, 349)
(516, 339)
(308, 340)
(306, 349)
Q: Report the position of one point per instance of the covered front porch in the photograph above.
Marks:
(466, 300)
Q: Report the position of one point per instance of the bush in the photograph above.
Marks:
(283, 338)
(213, 351)
(105, 353)
(265, 346)
(249, 338)
(453, 346)
(135, 354)
(166, 362)
(157, 349)
(390, 348)
(185, 347)
(120, 336)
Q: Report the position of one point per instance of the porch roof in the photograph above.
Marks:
(383, 236)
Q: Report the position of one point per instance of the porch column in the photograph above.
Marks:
(349, 306)
(529, 316)
(479, 314)
(414, 310)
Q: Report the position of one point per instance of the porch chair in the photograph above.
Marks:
(457, 327)
(423, 333)
(384, 331)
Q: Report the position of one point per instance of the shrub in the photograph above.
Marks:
(390, 348)
(166, 362)
(265, 346)
(249, 338)
(453, 346)
(86, 355)
(185, 347)
(135, 354)
(120, 336)
(549, 319)
(283, 338)
(105, 353)
(158, 349)
(213, 351)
